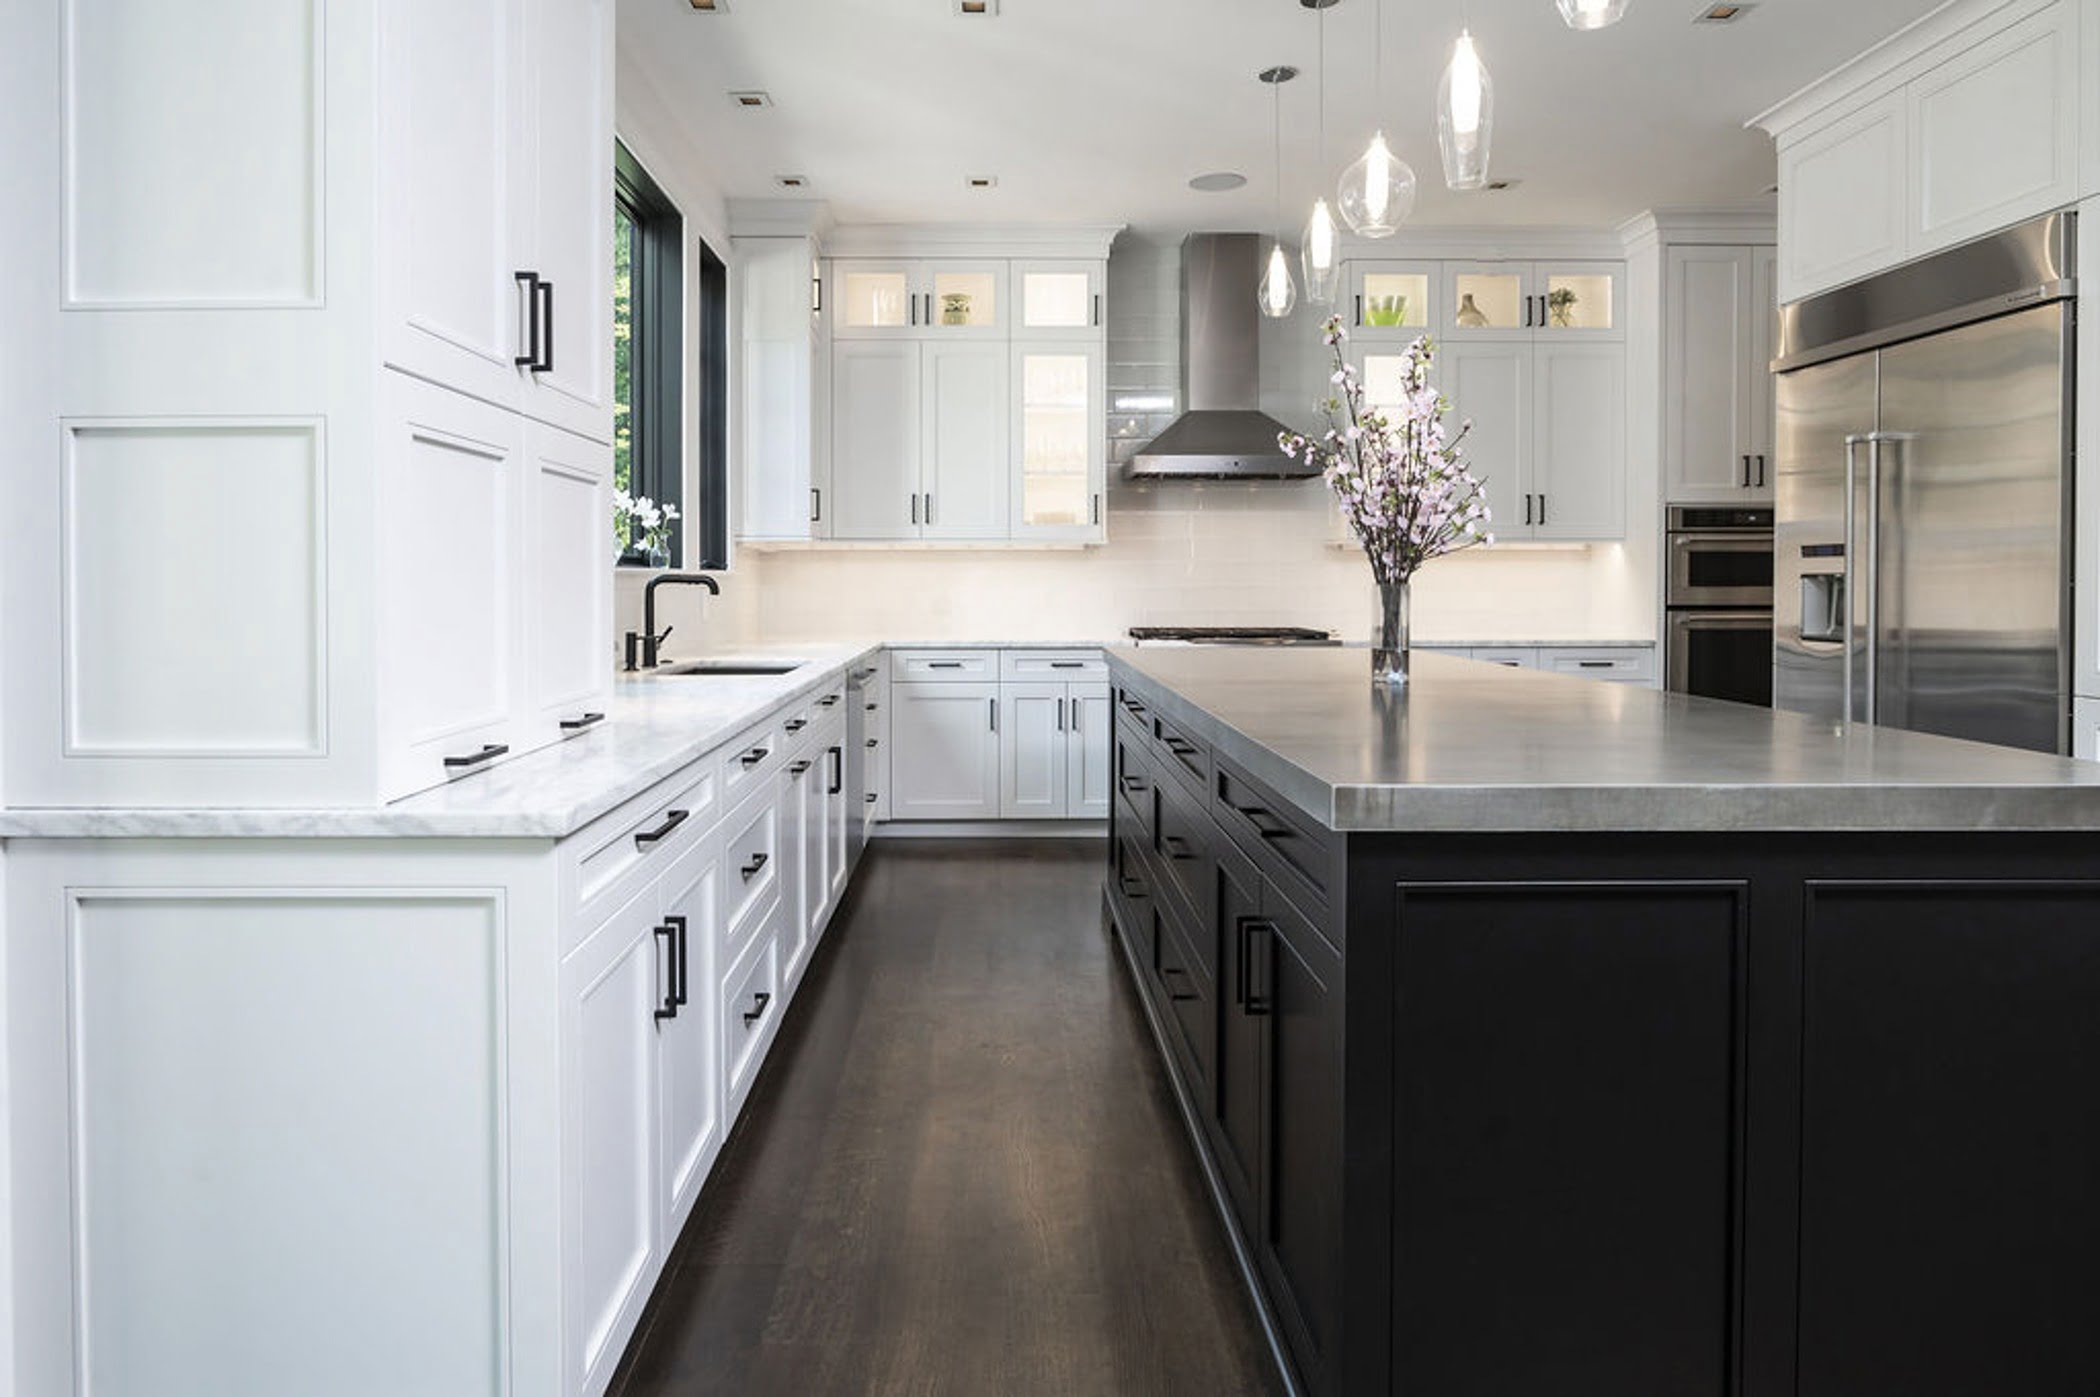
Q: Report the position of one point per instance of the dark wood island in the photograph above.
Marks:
(1551, 1038)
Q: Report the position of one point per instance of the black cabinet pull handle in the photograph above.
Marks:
(1172, 993)
(827, 701)
(1125, 882)
(672, 820)
(1177, 848)
(944, 664)
(1359, 309)
(684, 962)
(873, 706)
(868, 799)
(794, 725)
(1097, 307)
(750, 870)
(838, 771)
(669, 1008)
(578, 724)
(1594, 664)
(546, 363)
(1068, 664)
(797, 768)
(488, 753)
(1134, 784)
(1254, 998)
(759, 1002)
(915, 507)
(754, 756)
(1060, 715)
(1256, 816)
(1527, 509)
(531, 357)
(995, 714)
(816, 504)
(1180, 747)
(874, 741)
(1542, 511)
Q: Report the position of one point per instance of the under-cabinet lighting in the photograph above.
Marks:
(1159, 402)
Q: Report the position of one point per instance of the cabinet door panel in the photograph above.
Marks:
(688, 1075)
(802, 839)
(1841, 200)
(1236, 1115)
(875, 440)
(1059, 451)
(1566, 1091)
(1764, 346)
(963, 472)
(452, 206)
(1579, 440)
(1710, 340)
(1487, 301)
(612, 988)
(1059, 300)
(1032, 751)
(1949, 1139)
(1585, 300)
(1089, 736)
(571, 228)
(944, 751)
(567, 577)
(1490, 384)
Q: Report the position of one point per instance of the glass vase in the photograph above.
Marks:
(1389, 636)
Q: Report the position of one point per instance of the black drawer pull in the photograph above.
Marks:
(487, 754)
(873, 706)
(579, 724)
(795, 725)
(1125, 885)
(672, 820)
(1180, 747)
(757, 1012)
(1177, 848)
(1597, 664)
(944, 664)
(1068, 664)
(797, 768)
(668, 1009)
(868, 799)
(827, 701)
(873, 741)
(1257, 817)
(750, 870)
(754, 756)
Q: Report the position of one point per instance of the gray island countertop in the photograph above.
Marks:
(1473, 747)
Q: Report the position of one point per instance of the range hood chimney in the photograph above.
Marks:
(1223, 434)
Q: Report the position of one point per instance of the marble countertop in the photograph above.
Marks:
(1470, 746)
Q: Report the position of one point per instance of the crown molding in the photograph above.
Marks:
(1488, 244)
(1082, 240)
(1893, 61)
(1690, 227)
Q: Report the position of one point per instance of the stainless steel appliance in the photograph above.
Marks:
(1717, 640)
(1924, 436)
(1230, 635)
(856, 762)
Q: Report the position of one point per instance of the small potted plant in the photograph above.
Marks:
(1403, 487)
(641, 525)
(1562, 303)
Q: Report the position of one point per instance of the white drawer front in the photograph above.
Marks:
(750, 866)
(750, 1008)
(1617, 664)
(1038, 665)
(750, 761)
(944, 666)
(608, 854)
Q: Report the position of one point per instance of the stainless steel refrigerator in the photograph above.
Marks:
(1923, 508)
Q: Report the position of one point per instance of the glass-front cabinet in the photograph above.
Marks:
(1517, 300)
(944, 299)
(1396, 300)
(1058, 300)
(1059, 452)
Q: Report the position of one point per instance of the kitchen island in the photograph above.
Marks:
(1542, 1036)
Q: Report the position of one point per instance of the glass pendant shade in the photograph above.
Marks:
(1378, 192)
(1277, 293)
(1465, 117)
(1319, 254)
(1592, 14)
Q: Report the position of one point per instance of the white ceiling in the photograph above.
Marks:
(1101, 110)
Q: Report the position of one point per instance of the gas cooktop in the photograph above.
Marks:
(1230, 635)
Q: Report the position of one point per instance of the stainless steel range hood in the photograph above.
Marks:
(1224, 434)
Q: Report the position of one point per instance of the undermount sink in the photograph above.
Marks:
(732, 667)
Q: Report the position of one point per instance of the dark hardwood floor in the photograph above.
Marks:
(962, 1171)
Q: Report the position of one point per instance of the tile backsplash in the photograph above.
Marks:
(1196, 552)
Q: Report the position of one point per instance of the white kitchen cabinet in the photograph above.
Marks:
(1059, 299)
(944, 750)
(784, 372)
(1719, 322)
(876, 410)
(1394, 300)
(926, 298)
(1522, 300)
(613, 988)
(1490, 384)
(1965, 124)
(1089, 745)
(838, 814)
(963, 421)
(565, 581)
(1054, 750)
(689, 1071)
(804, 884)
(1578, 452)
(1059, 451)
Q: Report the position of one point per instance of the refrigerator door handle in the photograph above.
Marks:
(1873, 541)
(1851, 552)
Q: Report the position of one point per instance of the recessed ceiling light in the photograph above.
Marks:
(1218, 181)
(792, 181)
(982, 181)
(751, 99)
(712, 7)
(975, 8)
(1722, 13)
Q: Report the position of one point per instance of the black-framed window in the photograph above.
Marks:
(710, 511)
(648, 315)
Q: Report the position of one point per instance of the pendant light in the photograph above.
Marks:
(1465, 116)
(1278, 294)
(1319, 252)
(1378, 191)
(1592, 14)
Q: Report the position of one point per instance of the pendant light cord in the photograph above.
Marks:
(1276, 90)
(1322, 13)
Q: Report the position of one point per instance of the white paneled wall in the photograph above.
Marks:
(1201, 553)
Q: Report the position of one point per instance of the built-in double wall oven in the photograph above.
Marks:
(1718, 603)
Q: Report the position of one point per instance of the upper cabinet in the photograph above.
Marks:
(1719, 320)
(1394, 300)
(924, 299)
(1966, 123)
(1059, 300)
(783, 386)
(1520, 300)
